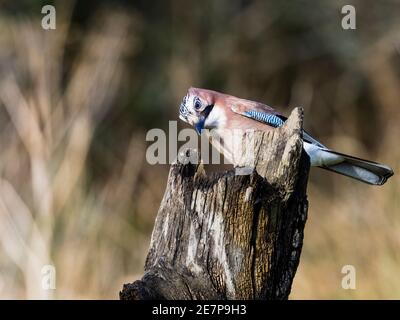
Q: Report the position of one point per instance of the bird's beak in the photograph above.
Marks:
(199, 126)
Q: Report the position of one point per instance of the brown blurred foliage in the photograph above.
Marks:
(76, 102)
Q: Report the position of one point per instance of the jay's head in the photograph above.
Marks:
(196, 107)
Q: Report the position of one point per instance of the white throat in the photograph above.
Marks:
(216, 119)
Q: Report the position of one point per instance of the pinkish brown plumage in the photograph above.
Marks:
(223, 104)
(227, 116)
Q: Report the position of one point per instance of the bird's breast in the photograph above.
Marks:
(236, 145)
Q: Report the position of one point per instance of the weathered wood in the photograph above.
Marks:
(227, 236)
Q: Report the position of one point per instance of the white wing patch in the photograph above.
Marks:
(319, 157)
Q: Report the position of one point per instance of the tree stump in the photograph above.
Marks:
(227, 236)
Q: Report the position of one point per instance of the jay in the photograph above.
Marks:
(218, 112)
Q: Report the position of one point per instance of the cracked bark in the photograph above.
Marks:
(227, 236)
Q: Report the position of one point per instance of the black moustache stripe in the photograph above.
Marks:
(207, 110)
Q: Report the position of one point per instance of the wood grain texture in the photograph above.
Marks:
(227, 236)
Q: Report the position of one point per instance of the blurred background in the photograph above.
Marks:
(76, 191)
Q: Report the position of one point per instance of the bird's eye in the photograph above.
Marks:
(197, 104)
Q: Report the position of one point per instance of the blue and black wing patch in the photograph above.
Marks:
(274, 120)
(268, 118)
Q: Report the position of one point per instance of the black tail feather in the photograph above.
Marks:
(363, 170)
